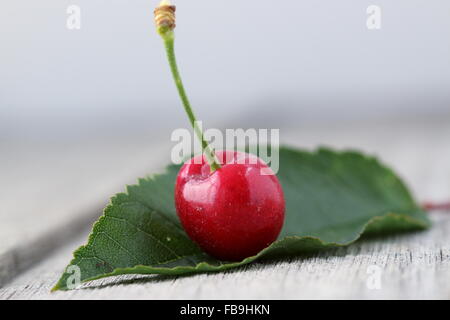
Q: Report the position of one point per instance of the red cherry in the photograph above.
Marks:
(233, 212)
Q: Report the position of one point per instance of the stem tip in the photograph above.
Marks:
(165, 17)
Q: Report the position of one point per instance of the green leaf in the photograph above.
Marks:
(332, 198)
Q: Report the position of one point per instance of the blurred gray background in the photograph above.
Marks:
(254, 63)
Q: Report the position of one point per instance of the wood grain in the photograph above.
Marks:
(36, 222)
(49, 193)
(412, 266)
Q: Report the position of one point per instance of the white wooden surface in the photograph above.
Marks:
(49, 193)
(414, 266)
(33, 252)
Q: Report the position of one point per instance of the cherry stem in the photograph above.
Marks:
(429, 206)
(169, 43)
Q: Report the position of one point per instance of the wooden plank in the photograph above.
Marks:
(51, 192)
(411, 266)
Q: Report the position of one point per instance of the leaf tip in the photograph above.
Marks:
(55, 288)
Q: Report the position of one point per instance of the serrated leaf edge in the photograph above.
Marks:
(210, 268)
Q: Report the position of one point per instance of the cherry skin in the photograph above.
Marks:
(234, 212)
